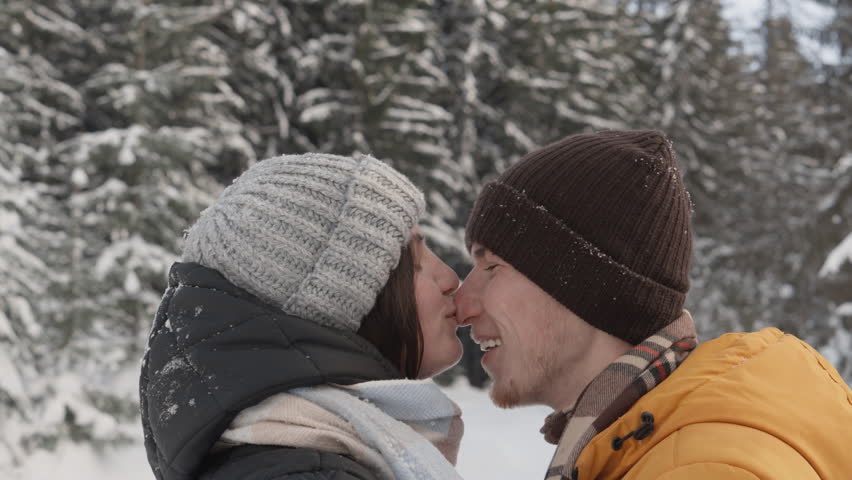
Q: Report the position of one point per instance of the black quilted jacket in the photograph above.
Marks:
(214, 350)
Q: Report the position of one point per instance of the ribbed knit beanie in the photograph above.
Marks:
(599, 221)
(316, 235)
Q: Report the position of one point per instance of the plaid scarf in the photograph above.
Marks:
(614, 391)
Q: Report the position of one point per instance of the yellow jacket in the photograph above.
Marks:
(761, 405)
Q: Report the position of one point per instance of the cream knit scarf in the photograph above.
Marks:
(399, 429)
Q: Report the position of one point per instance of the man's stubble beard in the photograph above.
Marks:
(505, 397)
(512, 392)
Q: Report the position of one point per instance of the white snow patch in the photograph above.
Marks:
(176, 363)
(313, 96)
(71, 395)
(452, 182)
(514, 132)
(10, 221)
(441, 233)
(318, 113)
(499, 443)
(425, 110)
(131, 141)
(79, 178)
(20, 307)
(125, 139)
(411, 24)
(131, 254)
(131, 283)
(597, 122)
(841, 255)
(80, 462)
(837, 348)
(6, 330)
(24, 259)
(431, 149)
(10, 380)
(496, 19)
(845, 163)
(839, 172)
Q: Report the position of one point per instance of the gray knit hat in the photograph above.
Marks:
(316, 235)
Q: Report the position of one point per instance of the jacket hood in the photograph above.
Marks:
(215, 349)
(776, 386)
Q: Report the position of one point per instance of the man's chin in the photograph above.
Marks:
(505, 394)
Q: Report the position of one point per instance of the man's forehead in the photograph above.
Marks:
(478, 251)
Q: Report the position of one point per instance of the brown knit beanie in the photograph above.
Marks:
(599, 221)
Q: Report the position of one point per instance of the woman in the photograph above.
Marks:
(289, 338)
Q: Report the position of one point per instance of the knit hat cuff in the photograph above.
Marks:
(586, 280)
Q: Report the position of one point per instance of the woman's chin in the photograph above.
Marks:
(437, 366)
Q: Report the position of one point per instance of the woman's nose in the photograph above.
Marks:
(449, 281)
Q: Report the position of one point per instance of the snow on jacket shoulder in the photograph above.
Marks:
(214, 350)
(761, 405)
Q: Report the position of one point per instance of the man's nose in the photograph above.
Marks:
(468, 305)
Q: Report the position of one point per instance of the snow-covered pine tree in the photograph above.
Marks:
(702, 97)
(127, 173)
(453, 183)
(340, 77)
(523, 74)
(288, 79)
(400, 86)
(35, 106)
(837, 36)
(23, 275)
(751, 154)
(830, 226)
(834, 277)
(792, 131)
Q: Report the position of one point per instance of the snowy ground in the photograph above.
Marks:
(497, 444)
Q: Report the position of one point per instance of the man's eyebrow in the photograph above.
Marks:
(479, 252)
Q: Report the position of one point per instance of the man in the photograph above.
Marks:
(581, 258)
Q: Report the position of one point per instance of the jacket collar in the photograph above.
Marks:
(692, 395)
(614, 391)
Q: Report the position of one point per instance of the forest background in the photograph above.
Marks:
(121, 120)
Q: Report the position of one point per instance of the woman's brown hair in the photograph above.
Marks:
(392, 325)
